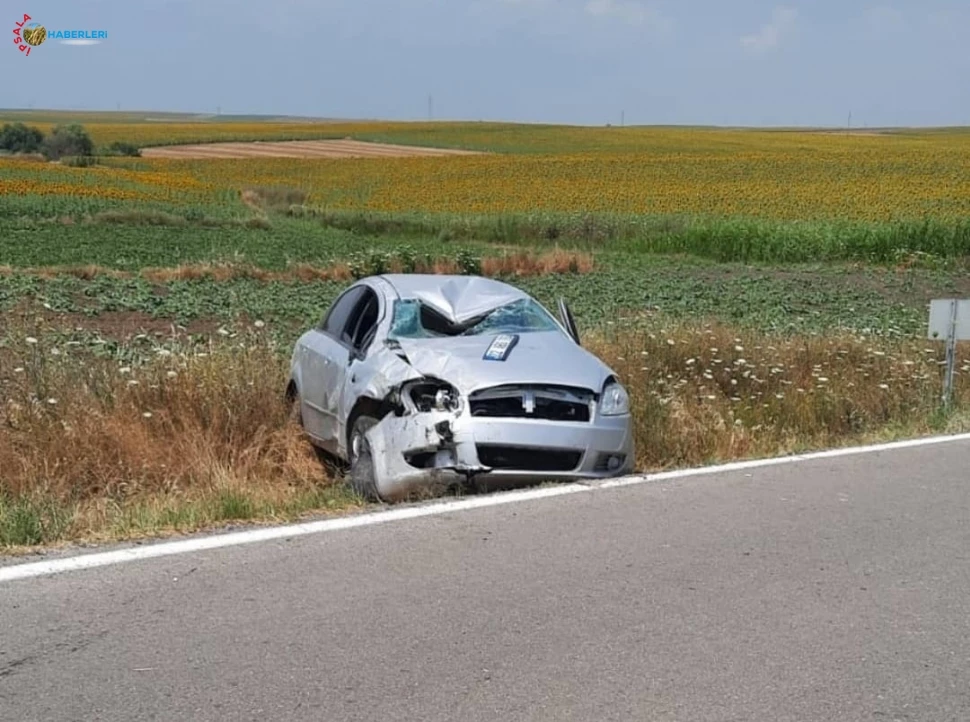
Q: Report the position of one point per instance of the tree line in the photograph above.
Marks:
(64, 141)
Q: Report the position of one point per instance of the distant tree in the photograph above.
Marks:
(19, 138)
(120, 147)
(67, 140)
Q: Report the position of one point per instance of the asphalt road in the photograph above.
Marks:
(835, 589)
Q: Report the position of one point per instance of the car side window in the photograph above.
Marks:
(340, 313)
(363, 316)
(367, 321)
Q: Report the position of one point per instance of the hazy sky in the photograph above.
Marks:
(722, 62)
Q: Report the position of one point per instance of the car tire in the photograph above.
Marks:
(361, 476)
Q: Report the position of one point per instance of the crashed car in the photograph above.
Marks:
(417, 379)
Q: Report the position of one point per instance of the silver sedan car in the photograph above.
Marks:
(415, 380)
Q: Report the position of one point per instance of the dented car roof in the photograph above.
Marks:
(457, 298)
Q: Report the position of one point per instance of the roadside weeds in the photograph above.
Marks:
(184, 438)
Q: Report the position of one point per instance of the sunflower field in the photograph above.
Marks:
(789, 176)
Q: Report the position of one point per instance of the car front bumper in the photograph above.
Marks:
(441, 447)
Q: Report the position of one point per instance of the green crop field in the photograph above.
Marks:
(758, 291)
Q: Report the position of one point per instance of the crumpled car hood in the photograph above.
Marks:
(459, 298)
(538, 358)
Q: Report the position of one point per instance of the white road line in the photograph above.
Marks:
(216, 541)
(777, 461)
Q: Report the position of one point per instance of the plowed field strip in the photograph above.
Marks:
(299, 149)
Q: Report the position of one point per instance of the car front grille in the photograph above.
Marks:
(527, 458)
(547, 403)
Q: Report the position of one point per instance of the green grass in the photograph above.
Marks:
(722, 239)
(30, 521)
(133, 246)
(33, 232)
(793, 298)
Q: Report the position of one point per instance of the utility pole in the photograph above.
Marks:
(622, 118)
(430, 107)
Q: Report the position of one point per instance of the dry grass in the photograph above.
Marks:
(184, 439)
(86, 428)
(228, 271)
(709, 393)
(512, 264)
(531, 264)
(204, 431)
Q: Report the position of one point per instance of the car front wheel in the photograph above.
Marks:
(361, 460)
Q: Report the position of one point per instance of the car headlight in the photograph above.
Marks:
(433, 395)
(615, 400)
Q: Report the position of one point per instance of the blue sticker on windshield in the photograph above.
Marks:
(501, 347)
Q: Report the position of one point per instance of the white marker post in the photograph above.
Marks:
(949, 320)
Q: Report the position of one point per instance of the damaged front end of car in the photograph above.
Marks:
(423, 441)
(477, 386)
